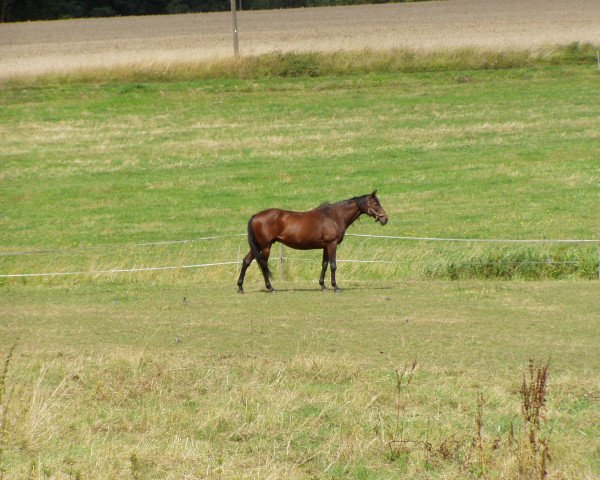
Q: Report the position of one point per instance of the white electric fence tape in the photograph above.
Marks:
(217, 237)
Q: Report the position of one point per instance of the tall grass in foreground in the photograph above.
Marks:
(524, 448)
(4, 401)
(315, 64)
(323, 416)
(122, 380)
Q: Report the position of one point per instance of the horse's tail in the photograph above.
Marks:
(256, 251)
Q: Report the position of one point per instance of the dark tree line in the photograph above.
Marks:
(23, 10)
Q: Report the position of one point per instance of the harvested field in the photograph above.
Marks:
(72, 45)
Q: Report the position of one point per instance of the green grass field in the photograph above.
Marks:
(476, 154)
(117, 376)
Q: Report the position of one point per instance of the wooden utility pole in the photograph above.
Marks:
(236, 47)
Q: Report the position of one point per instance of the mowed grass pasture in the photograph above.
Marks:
(405, 374)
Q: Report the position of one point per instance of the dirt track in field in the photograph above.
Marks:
(60, 46)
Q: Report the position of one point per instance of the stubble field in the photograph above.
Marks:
(79, 45)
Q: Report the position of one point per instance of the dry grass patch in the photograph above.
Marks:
(131, 382)
(305, 416)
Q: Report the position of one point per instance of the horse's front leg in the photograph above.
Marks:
(323, 270)
(331, 249)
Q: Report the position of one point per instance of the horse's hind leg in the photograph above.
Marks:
(323, 270)
(245, 264)
(264, 253)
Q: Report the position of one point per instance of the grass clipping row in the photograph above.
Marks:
(315, 64)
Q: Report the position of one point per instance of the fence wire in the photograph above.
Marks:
(219, 237)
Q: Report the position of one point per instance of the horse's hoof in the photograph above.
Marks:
(240, 290)
(272, 290)
(324, 288)
(337, 289)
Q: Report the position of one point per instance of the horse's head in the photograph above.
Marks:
(374, 209)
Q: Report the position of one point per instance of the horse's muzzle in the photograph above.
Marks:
(383, 219)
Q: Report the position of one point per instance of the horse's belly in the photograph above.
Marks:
(303, 245)
(302, 240)
(308, 242)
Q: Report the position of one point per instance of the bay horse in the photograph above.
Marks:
(322, 227)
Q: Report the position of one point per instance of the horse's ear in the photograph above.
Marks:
(374, 193)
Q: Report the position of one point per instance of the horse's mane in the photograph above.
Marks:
(358, 200)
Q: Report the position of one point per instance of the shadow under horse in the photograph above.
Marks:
(321, 228)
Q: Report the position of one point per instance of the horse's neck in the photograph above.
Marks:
(349, 212)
